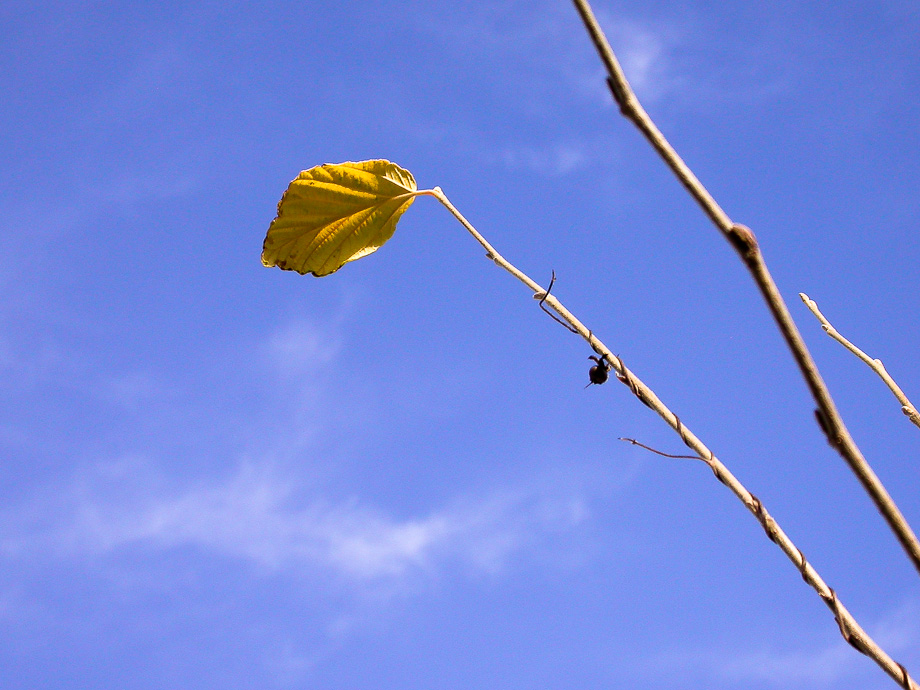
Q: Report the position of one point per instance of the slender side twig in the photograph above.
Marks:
(875, 364)
(555, 318)
(745, 243)
(851, 630)
(658, 452)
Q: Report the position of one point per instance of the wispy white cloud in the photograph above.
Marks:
(126, 188)
(545, 60)
(900, 629)
(770, 667)
(552, 45)
(273, 516)
(130, 389)
(646, 55)
(259, 518)
(828, 665)
(300, 347)
(550, 160)
(783, 669)
(665, 56)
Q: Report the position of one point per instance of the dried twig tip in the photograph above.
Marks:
(542, 297)
(658, 452)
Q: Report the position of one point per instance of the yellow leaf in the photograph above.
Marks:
(336, 213)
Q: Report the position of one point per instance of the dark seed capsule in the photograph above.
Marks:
(598, 373)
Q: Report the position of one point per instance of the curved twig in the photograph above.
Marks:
(875, 364)
(542, 298)
(849, 628)
(659, 452)
(745, 243)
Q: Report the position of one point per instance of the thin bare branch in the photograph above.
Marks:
(659, 452)
(851, 630)
(745, 243)
(875, 364)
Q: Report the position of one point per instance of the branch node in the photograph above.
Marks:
(743, 240)
(825, 426)
(620, 95)
(714, 465)
(905, 677)
(843, 623)
(763, 517)
(682, 432)
(593, 342)
(625, 378)
(803, 566)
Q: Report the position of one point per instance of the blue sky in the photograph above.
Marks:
(217, 475)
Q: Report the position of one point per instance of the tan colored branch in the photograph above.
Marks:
(745, 243)
(851, 630)
(875, 364)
